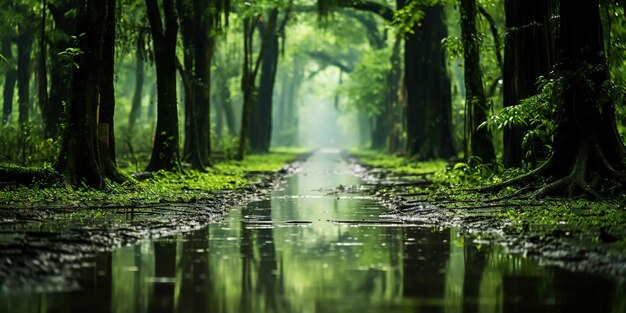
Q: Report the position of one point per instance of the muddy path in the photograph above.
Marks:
(319, 242)
(41, 247)
(483, 219)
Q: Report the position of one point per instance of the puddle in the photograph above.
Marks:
(304, 250)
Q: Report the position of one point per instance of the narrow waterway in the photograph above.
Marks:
(299, 252)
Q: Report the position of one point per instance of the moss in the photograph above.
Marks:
(398, 164)
(164, 187)
(455, 187)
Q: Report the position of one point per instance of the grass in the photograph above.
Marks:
(165, 187)
(455, 186)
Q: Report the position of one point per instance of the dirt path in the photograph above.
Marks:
(39, 247)
(564, 245)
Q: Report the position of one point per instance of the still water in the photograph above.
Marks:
(289, 254)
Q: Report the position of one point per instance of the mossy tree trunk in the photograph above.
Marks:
(165, 151)
(587, 149)
(476, 101)
(79, 160)
(528, 54)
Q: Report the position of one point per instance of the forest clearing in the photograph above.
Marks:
(313, 156)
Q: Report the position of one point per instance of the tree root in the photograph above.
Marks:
(588, 169)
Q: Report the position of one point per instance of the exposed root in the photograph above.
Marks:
(589, 169)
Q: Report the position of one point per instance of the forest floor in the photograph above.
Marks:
(45, 232)
(577, 234)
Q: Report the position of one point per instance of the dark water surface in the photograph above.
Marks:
(288, 254)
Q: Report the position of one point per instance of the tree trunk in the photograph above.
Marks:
(528, 54)
(260, 131)
(24, 48)
(59, 73)
(480, 138)
(42, 72)
(226, 104)
(291, 116)
(395, 107)
(429, 101)
(198, 41)
(106, 137)
(586, 146)
(79, 159)
(247, 85)
(9, 82)
(191, 146)
(203, 42)
(165, 153)
(135, 111)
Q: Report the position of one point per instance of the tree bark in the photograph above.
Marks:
(9, 82)
(24, 48)
(528, 54)
(260, 131)
(480, 137)
(395, 107)
(78, 161)
(135, 111)
(59, 73)
(165, 151)
(203, 41)
(106, 134)
(42, 72)
(586, 143)
(429, 100)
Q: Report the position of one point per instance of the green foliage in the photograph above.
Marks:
(453, 46)
(397, 164)
(367, 87)
(165, 187)
(27, 146)
(70, 54)
(405, 19)
(535, 114)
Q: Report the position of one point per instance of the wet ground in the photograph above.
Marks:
(318, 243)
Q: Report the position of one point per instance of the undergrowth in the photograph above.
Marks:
(456, 187)
(164, 187)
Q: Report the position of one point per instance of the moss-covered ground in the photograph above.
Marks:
(189, 186)
(456, 187)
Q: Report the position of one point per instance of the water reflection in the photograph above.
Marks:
(253, 261)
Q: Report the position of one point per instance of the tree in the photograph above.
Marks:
(476, 101)
(165, 151)
(248, 78)
(135, 111)
(528, 55)
(428, 97)
(65, 25)
(79, 160)
(260, 131)
(587, 150)
(106, 134)
(24, 41)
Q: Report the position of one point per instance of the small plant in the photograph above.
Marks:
(535, 114)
